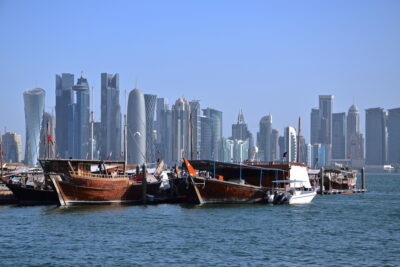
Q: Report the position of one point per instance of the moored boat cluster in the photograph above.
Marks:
(69, 182)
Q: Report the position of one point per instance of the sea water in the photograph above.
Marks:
(334, 230)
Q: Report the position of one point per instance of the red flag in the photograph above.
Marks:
(50, 139)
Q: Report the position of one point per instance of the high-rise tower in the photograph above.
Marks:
(34, 101)
(150, 106)
(393, 127)
(181, 133)
(375, 136)
(81, 119)
(136, 128)
(64, 99)
(110, 117)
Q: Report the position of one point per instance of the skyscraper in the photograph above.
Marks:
(315, 124)
(276, 154)
(241, 132)
(216, 118)
(196, 128)
(12, 147)
(375, 136)
(136, 128)
(110, 117)
(339, 135)
(161, 106)
(325, 118)
(47, 145)
(206, 149)
(81, 119)
(181, 133)
(393, 127)
(34, 101)
(290, 144)
(150, 105)
(163, 149)
(354, 142)
(265, 138)
(64, 99)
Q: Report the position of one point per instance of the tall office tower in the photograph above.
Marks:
(290, 144)
(393, 127)
(47, 144)
(161, 106)
(282, 148)
(181, 134)
(265, 138)
(216, 117)
(81, 119)
(302, 153)
(163, 149)
(195, 128)
(12, 147)
(325, 116)
(34, 101)
(206, 149)
(309, 155)
(150, 106)
(375, 136)
(355, 143)
(315, 125)
(339, 135)
(276, 154)
(64, 98)
(136, 127)
(110, 117)
(241, 132)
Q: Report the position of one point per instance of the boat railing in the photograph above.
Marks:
(95, 175)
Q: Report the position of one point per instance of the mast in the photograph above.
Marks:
(91, 128)
(125, 136)
(48, 140)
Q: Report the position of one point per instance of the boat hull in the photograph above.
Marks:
(80, 190)
(33, 196)
(209, 191)
(302, 198)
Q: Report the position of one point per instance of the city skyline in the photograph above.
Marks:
(243, 56)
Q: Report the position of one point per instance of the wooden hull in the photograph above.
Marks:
(219, 191)
(80, 190)
(32, 196)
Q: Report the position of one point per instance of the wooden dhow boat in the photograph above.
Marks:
(227, 189)
(79, 182)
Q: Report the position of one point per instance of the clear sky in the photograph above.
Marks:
(266, 57)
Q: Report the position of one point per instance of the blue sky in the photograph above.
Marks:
(266, 57)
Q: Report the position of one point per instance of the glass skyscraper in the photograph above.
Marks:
(34, 101)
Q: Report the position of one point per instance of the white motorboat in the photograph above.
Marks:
(291, 192)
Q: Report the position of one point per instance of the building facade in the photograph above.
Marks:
(290, 144)
(375, 136)
(110, 145)
(393, 128)
(47, 133)
(181, 133)
(136, 118)
(150, 105)
(34, 102)
(81, 120)
(339, 135)
(216, 128)
(11, 147)
(64, 100)
(265, 138)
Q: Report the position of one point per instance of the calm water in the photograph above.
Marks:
(347, 230)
